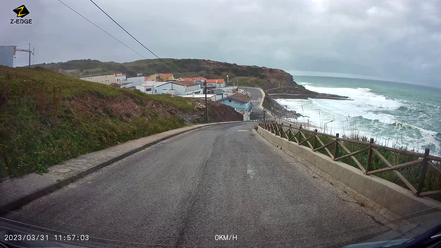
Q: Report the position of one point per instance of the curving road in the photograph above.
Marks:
(256, 95)
(190, 189)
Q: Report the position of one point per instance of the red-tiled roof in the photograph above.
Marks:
(219, 81)
(193, 78)
(185, 83)
(120, 75)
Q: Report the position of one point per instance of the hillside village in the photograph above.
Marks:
(193, 87)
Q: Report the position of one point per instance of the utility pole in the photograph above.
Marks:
(206, 102)
(29, 55)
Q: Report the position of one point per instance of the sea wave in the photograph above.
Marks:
(364, 103)
(392, 122)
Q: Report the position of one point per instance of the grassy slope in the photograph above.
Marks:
(47, 118)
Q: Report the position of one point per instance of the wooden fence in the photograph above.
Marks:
(340, 151)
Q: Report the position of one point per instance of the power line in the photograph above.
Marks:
(102, 29)
(133, 37)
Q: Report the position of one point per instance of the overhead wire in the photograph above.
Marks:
(154, 54)
(101, 29)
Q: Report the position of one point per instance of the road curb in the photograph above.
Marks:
(60, 184)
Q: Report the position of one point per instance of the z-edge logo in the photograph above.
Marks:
(21, 11)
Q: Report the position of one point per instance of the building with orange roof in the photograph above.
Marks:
(215, 83)
(160, 77)
(195, 79)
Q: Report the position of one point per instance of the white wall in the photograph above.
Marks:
(120, 79)
(187, 90)
(163, 88)
(147, 90)
(159, 88)
(7, 55)
(105, 79)
(136, 80)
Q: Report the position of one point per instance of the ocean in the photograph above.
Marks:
(394, 114)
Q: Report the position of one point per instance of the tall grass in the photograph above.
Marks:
(41, 125)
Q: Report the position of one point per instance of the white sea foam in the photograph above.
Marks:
(363, 115)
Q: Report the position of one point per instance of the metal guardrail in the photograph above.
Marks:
(314, 142)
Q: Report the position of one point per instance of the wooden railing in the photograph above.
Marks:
(369, 150)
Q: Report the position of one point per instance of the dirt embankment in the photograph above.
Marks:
(126, 109)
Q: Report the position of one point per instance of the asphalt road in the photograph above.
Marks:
(220, 180)
(255, 95)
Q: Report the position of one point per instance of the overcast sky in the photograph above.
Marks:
(393, 40)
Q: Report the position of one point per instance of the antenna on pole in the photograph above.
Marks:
(31, 52)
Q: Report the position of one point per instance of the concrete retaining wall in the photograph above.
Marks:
(387, 198)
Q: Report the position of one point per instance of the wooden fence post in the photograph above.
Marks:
(336, 146)
(423, 172)
(281, 130)
(315, 140)
(300, 135)
(369, 156)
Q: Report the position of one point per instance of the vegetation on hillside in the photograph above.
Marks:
(47, 118)
(244, 75)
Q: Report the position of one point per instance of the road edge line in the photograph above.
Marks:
(14, 205)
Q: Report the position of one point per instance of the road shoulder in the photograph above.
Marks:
(17, 192)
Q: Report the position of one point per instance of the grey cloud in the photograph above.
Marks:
(397, 40)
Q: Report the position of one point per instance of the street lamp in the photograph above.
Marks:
(324, 126)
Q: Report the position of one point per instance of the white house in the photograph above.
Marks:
(174, 88)
(146, 88)
(163, 88)
(186, 88)
(136, 80)
(120, 78)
